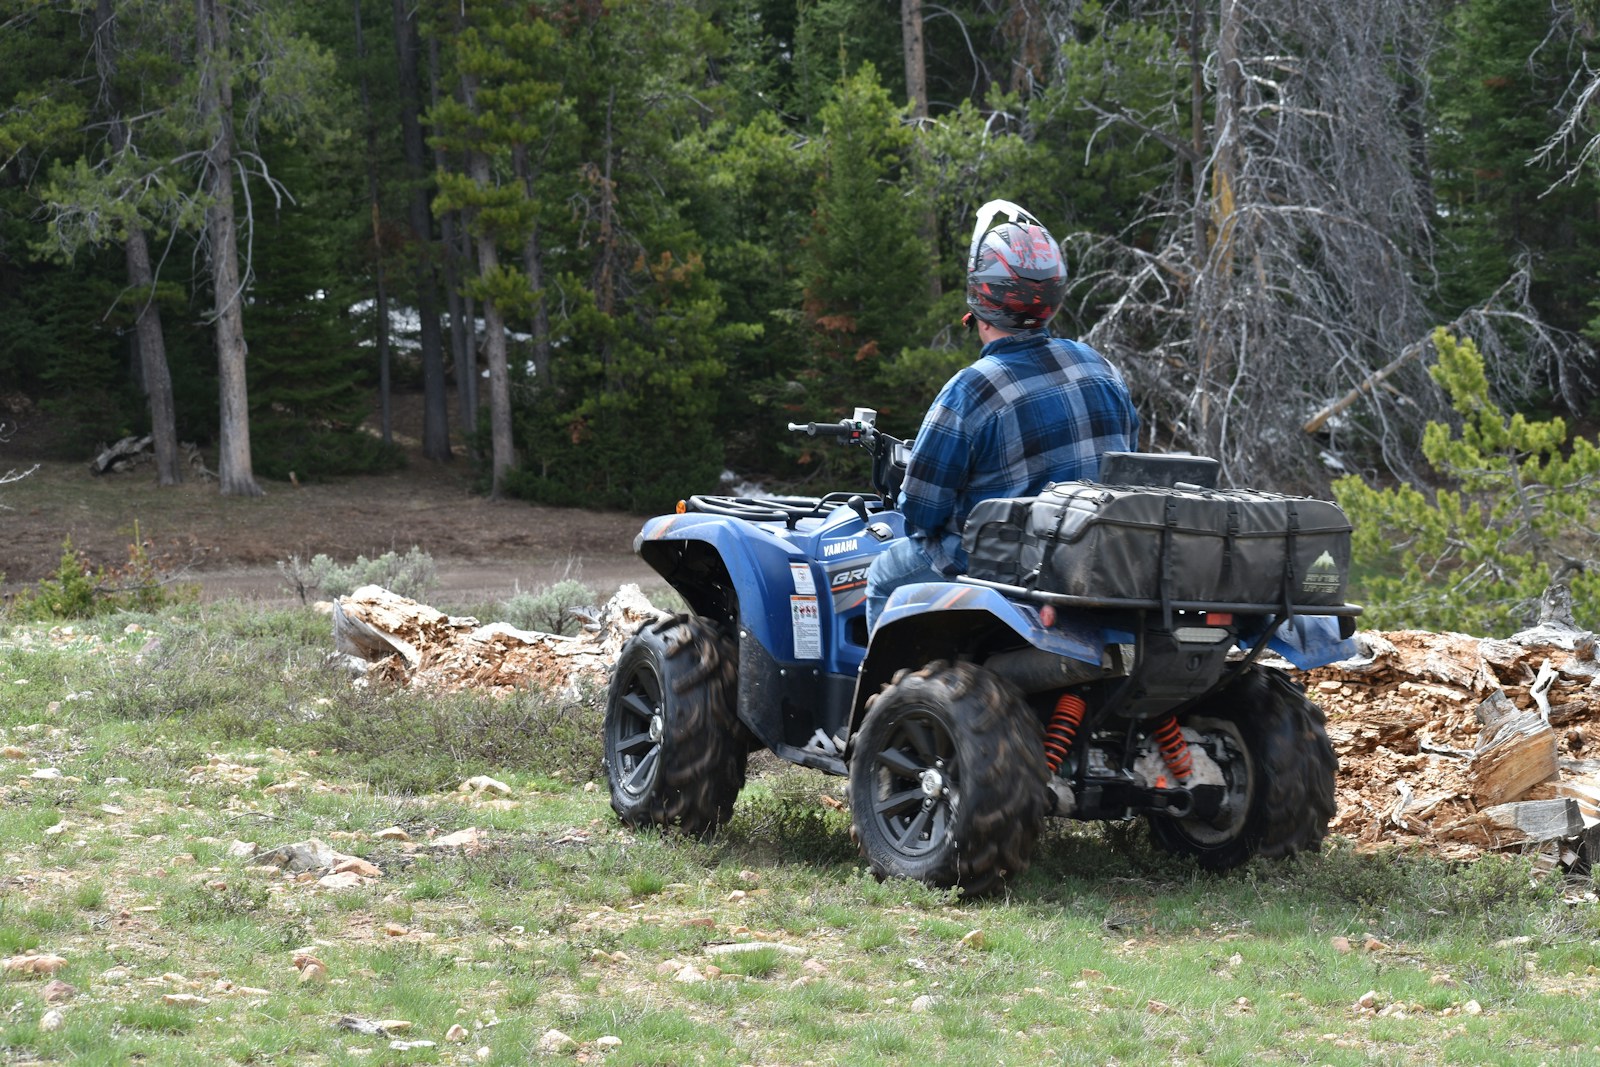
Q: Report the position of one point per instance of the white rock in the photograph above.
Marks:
(922, 1003)
(553, 1041)
(344, 880)
(51, 1021)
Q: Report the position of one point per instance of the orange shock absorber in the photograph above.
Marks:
(1174, 749)
(1063, 729)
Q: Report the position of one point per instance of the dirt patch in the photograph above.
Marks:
(230, 546)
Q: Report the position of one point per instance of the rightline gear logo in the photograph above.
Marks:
(1323, 576)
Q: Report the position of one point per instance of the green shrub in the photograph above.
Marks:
(549, 610)
(79, 590)
(411, 575)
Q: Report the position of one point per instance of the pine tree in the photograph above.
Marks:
(1477, 557)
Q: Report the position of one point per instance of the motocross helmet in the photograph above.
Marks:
(1016, 275)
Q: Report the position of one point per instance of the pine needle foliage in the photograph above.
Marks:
(1477, 556)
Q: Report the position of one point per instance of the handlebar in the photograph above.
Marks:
(842, 428)
(888, 453)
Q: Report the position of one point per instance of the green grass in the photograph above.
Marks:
(1104, 950)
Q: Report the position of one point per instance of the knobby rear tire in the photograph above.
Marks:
(947, 780)
(1291, 766)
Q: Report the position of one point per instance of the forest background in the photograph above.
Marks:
(618, 244)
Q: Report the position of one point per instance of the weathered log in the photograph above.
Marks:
(121, 455)
(1514, 754)
(1539, 820)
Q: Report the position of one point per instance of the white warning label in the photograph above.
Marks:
(802, 579)
(807, 627)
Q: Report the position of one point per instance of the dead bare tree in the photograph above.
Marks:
(1296, 254)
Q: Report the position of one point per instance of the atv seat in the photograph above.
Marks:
(1151, 468)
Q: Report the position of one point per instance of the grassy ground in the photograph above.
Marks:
(177, 735)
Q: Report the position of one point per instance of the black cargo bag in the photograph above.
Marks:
(1147, 543)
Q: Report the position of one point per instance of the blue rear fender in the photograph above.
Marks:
(1074, 638)
(944, 620)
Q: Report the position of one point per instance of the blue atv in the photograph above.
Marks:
(1027, 689)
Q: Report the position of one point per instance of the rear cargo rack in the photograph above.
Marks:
(1068, 600)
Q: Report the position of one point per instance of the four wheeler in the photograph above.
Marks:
(978, 707)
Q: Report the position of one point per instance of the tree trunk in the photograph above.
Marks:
(234, 474)
(916, 63)
(435, 409)
(380, 294)
(153, 360)
(157, 379)
(1197, 121)
(502, 459)
(911, 41)
(463, 332)
(533, 266)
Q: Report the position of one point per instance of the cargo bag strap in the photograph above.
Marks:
(1230, 542)
(1168, 525)
(1031, 579)
(1288, 562)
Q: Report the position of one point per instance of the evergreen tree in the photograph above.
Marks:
(1478, 556)
(1500, 80)
(864, 263)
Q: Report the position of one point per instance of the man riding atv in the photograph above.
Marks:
(1033, 409)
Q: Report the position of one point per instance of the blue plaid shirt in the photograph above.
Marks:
(1033, 409)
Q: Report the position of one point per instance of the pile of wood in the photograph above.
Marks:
(393, 639)
(1446, 742)
(1462, 744)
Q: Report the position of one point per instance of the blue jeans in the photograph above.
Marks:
(903, 563)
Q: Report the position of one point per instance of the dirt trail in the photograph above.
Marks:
(483, 549)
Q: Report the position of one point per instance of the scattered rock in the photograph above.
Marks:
(922, 1003)
(407, 1046)
(55, 991)
(51, 1021)
(309, 855)
(242, 850)
(393, 833)
(468, 840)
(346, 880)
(552, 1042)
(356, 865)
(185, 1000)
(689, 975)
(33, 963)
(1341, 944)
(312, 970)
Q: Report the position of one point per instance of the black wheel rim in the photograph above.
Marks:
(1240, 777)
(916, 785)
(636, 731)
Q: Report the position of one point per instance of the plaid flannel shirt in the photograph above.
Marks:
(1033, 409)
